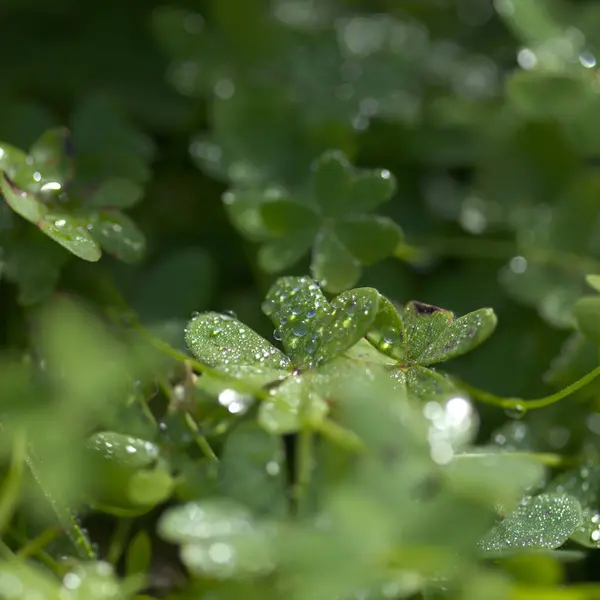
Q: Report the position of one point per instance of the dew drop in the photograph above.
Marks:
(277, 335)
(300, 329)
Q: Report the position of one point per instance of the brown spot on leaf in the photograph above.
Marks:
(425, 309)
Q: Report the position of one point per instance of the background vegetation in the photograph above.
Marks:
(439, 150)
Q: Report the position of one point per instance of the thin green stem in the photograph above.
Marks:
(11, 488)
(545, 458)
(63, 513)
(524, 405)
(304, 467)
(37, 545)
(40, 554)
(201, 440)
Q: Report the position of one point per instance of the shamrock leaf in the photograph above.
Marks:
(587, 312)
(219, 539)
(545, 521)
(311, 329)
(430, 334)
(34, 186)
(222, 342)
(331, 218)
(582, 483)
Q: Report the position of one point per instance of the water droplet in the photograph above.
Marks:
(516, 412)
(300, 329)
(277, 335)
(60, 223)
(229, 313)
(195, 314)
(235, 402)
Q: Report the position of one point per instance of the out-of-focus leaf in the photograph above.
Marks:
(116, 193)
(118, 235)
(253, 470)
(219, 539)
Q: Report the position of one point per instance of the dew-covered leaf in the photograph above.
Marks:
(149, 488)
(295, 403)
(73, 234)
(311, 329)
(332, 183)
(219, 539)
(433, 335)
(545, 521)
(333, 266)
(52, 154)
(116, 193)
(25, 204)
(582, 483)
(253, 470)
(91, 581)
(123, 449)
(423, 384)
(221, 341)
(118, 235)
(369, 238)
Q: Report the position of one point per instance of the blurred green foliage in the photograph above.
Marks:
(170, 174)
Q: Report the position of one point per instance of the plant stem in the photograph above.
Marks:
(200, 439)
(524, 405)
(11, 487)
(545, 458)
(118, 540)
(63, 513)
(37, 545)
(304, 466)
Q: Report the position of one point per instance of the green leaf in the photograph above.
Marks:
(253, 470)
(545, 521)
(370, 189)
(123, 449)
(20, 580)
(219, 539)
(498, 478)
(433, 335)
(311, 329)
(220, 341)
(423, 384)
(295, 403)
(150, 488)
(91, 581)
(550, 95)
(25, 204)
(332, 264)
(594, 281)
(332, 183)
(369, 239)
(71, 233)
(52, 155)
(139, 555)
(118, 235)
(587, 315)
(116, 193)
(285, 252)
(582, 483)
(284, 216)
(244, 210)
(12, 159)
